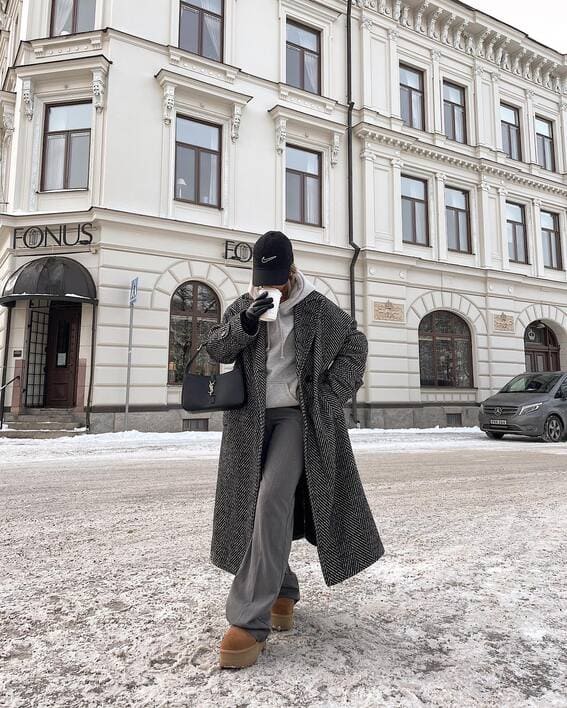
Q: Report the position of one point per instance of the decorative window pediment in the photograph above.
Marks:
(92, 69)
(185, 92)
(296, 125)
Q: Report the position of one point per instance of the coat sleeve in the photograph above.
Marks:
(228, 338)
(345, 375)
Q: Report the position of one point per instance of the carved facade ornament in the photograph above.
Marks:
(396, 163)
(405, 18)
(366, 24)
(447, 27)
(168, 103)
(419, 16)
(388, 311)
(435, 55)
(503, 323)
(27, 97)
(485, 186)
(457, 35)
(397, 11)
(335, 147)
(235, 122)
(383, 7)
(432, 25)
(393, 35)
(281, 134)
(98, 89)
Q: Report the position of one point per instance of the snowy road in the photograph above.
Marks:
(107, 596)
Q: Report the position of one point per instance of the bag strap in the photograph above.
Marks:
(192, 359)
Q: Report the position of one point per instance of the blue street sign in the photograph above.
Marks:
(133, 290)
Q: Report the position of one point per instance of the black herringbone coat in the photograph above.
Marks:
(331, 509)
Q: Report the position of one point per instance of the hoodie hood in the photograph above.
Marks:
(279, 329)
(301, 288)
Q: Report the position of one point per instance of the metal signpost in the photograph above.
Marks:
(132, 300)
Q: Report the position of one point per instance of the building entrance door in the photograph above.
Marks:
(62, 355)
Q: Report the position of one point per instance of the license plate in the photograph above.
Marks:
(497, 422)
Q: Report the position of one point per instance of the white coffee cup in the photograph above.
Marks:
(272, 312)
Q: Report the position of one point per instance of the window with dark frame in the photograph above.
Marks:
(195, 308)
(303, 57)
(544, 139)
(201, 27)
(197, 162)
(303, 186)
(457, 219)
(72, 16)
(415, 213)
(412, 97)
(511, 136)
(517, 235)
(551, 236)
(445, 351)
(454, 112)
(66, 146)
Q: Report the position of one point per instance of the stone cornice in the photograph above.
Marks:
(482, 166)
(477, 35)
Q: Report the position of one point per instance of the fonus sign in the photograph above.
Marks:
(60, 236)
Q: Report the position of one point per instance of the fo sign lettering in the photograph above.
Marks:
(61, 235)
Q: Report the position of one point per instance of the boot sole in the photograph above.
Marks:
(241, 658)
(282, 622)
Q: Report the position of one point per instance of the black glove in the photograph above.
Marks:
(257, 307)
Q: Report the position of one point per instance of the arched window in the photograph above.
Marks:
(541, 348)
(445, 351)
(195, 308)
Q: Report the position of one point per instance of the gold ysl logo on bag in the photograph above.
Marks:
(211, 387)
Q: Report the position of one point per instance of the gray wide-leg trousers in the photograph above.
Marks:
(264, 573)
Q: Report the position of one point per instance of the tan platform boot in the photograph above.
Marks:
(239, 648)
(282, 613)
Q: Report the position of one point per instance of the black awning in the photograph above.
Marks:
(51, 278)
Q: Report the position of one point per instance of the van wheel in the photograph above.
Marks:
(553, 429)
(494, 436)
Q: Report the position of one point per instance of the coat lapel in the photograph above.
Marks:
(305, 321)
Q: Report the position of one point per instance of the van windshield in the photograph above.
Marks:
(531, 383)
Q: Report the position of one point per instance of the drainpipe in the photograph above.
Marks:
(91, 373)
(355, 246)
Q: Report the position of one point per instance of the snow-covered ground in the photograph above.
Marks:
(108, 598)
(205, 445)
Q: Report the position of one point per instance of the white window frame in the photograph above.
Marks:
(192, 98)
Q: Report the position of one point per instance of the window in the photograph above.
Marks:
(457, 219)
(411, 97)
(303, 57)
(415, 226)
(197, 162)
(194, 310)
(542, 353)
(454, 112)
(517, 237)
(544, 139)
(303, 186)
(71, 16)
(551, 240)
(66, 146)
(201, 27)
(445, 351)
(510, 123)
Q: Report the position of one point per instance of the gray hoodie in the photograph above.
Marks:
(281, 377)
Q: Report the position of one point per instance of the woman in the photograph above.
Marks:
(286, 466)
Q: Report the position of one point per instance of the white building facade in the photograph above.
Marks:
(160, 145)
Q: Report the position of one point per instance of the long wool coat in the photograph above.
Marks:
(331, 509)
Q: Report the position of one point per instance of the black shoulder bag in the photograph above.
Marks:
(216, 392)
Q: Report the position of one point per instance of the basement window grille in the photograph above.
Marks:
(195, 424)
(455, 420)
